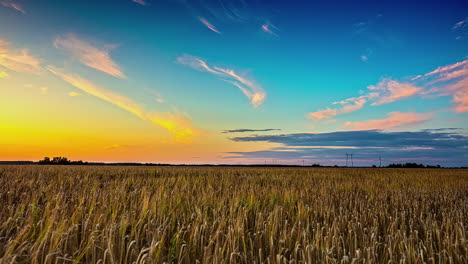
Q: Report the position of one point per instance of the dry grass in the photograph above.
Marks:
(74, 214)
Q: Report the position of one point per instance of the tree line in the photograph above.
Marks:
(411, 165)
(60, 161)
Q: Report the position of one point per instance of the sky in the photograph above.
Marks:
(235, 81)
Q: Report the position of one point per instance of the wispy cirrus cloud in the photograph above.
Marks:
(208, 25)
(223, 10)
(443, 70)
(249, 88)
(386, 91)
(269, 29)
(347, 106)
(177, 125)
(461, 28)
(448, 80)
(460, 96)
(460, 24)
(393, 121)
(141, 2)
(87, 54)
(18, 60)
(389, 91)
(13, 4)
(245, 130)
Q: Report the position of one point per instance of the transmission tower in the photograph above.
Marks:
(349, 157)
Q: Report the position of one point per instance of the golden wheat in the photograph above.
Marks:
(86, 214)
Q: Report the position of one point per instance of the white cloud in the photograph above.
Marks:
(96, 58)
(249, 88)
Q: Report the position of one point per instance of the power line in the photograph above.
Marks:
(349, 157)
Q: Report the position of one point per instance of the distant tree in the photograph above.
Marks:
(60, 161)
(46, 160)
(411, 165)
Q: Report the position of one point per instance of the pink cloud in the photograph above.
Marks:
(460, 98)
(141, 2)
(249, 88)
(268, 28)
(460, 24)
(448, 80)
(14, 5)
(388, 91)
(348, 105)
(459, 92)
(323, 114)
(385, 92)
(447, 68)
(395, 120)
(18, 60)
(89, 55)
(208, 25)
(452, 80)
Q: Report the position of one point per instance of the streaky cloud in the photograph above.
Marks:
(244, 130)
(208, 25)
(18, 60)
(386, 91)
(177, 125)
(460, 24)
(269, 29)
(444, 80)
(394, 120)
(445, 69)
(442, 129)
(249, 88)
(450, 80)
(13, 4)
(348, 105)
(141, 2)
(389, 91)
(365, 138)
(460, 98)
(428, 147)
(96, 58)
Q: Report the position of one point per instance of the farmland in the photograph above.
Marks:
(98, 214)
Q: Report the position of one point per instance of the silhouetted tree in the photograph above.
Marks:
(46, 160)
(60, 161)
(411, 165)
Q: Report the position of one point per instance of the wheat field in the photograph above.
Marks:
(99, 214)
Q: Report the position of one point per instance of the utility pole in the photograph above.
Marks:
(349, 157)
(380, 161)
(303, 163)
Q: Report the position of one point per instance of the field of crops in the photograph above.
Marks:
(90, 214)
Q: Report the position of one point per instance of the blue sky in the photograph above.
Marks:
(179, 73)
